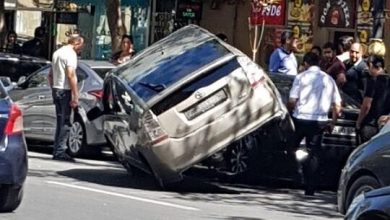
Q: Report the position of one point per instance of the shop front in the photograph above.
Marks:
(315, 22)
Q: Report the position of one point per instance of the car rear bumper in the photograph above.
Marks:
(171, 157)
(13, 161)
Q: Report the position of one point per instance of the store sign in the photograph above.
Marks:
(67, 18)
(189, 10)
(271, 14)
(337, 13)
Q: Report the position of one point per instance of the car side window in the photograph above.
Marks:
(123, 100)
(39, 79)
(81, 74)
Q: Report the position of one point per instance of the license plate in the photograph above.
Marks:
(205, 105)
(350, 131)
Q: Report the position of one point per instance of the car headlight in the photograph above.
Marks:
(353, 208)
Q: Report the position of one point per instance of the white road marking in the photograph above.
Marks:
(125, 196)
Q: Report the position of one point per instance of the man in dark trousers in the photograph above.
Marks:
(63, 81)
(376, 100)
(312, 95)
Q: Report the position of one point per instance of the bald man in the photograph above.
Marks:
(356, 74)
(63, 81)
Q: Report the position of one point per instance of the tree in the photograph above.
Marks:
(115, 23)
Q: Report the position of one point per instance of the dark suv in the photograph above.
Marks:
(15, 65)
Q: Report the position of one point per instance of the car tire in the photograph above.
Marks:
(10, 197)
(77, 138)
(360, 185)
(240, 155)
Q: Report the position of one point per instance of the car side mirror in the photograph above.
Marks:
(94, 113)
(21, 81)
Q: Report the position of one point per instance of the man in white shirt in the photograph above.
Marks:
(312, 95)
(63, 81)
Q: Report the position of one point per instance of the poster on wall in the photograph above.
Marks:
(271, 14)
(370, 14)
(300, 21)
(336, 13)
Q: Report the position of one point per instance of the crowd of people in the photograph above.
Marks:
(345, 66)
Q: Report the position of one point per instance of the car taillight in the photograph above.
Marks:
(152, 127)
(15, 121)
(97, 93)
(253, 72)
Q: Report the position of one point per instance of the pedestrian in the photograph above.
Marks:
(36, 47)
(317, 50)
(356, 74)
(331, 65)
(11, 46)
(344, 44)
(126, 51)
(376, 100)
(312, 95)
(283, 59)
(63, 81)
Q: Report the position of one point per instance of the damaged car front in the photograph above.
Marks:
(182, 100)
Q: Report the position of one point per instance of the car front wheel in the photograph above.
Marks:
(76, 142)
(10, 197)
(240, 155)
(359, 186)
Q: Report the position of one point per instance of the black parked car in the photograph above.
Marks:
(13, 154)
(15, 65)
(367, 168)
(266, 153)
(372, 205)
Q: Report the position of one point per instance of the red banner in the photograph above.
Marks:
(272, 14)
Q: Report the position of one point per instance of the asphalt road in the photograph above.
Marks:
(95, 189)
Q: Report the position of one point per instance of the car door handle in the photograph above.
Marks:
(41, 97)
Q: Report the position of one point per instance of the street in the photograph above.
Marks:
(96, 189)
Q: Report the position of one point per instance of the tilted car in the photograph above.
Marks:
(34, 97)
(13, 154)
(367, 168)
(17, 65)
(372, 205)
(183, 99)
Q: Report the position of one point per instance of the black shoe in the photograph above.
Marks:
(64, 157)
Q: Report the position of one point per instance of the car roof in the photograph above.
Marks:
(172, 60)
(98, 64)
(21, 57)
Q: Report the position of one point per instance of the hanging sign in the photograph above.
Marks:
(337, 13)
(271, 14)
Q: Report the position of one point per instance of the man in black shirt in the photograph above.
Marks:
(376, 100)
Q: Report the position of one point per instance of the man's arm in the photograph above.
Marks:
(72, 78)
(50, 77)
(364, 109)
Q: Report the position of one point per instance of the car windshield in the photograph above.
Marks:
(169, 61)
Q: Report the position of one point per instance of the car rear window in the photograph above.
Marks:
(204, 80)
(171, 68)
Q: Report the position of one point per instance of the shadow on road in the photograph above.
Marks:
(119, 178)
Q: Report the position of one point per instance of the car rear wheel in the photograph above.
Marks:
(77, 139)
(359, 186)
(240, 155)
(10, 197)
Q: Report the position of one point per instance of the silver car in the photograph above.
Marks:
(183, 99)
(33, 95)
